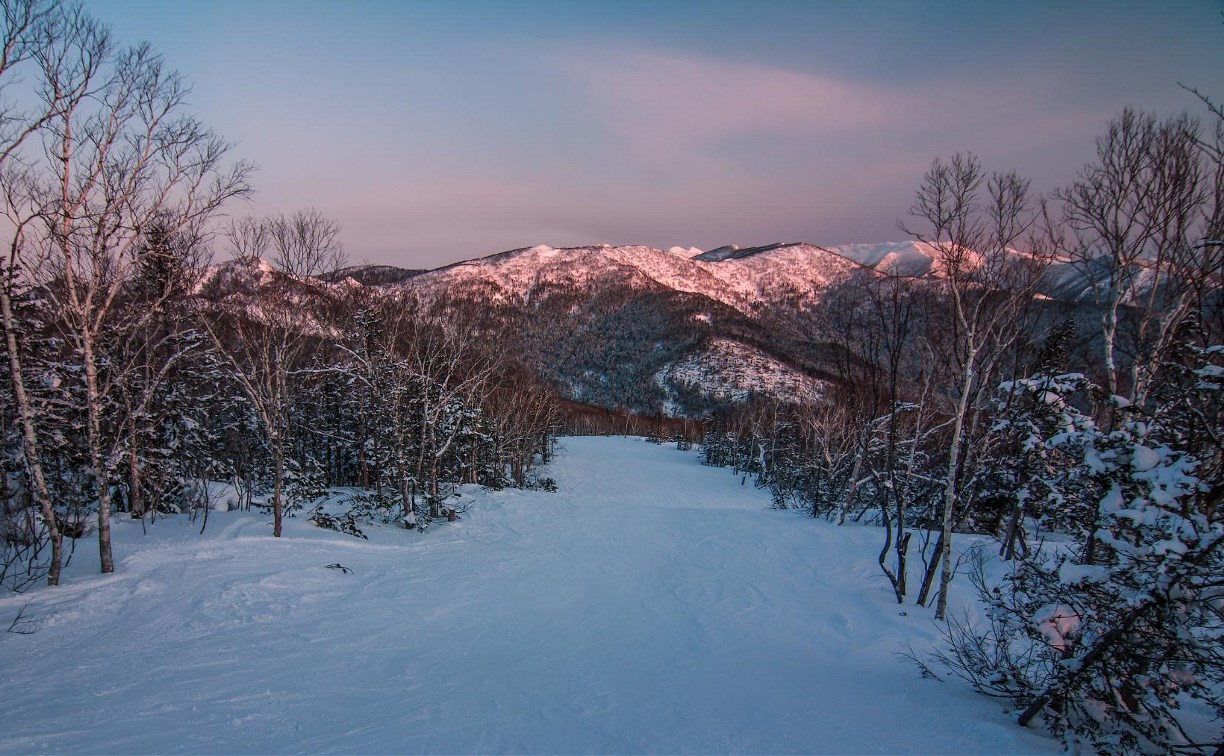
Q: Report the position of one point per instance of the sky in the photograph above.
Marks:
(439, 131)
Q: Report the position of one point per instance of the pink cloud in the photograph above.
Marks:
(682, 109)
(687, 150)
(668, 107)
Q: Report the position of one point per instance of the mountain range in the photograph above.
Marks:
(677, 332)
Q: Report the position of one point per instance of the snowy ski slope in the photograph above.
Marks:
(652, 605)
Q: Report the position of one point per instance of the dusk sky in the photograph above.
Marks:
(435, 132)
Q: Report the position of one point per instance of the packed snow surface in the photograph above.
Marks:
(651, 605)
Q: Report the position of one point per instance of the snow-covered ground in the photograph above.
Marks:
(651, 605)
(733, 371)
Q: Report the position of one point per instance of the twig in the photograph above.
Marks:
(21, 625)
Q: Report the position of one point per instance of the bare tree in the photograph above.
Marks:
(1137, 218)
(974, 222)
(266, 348)
(249, 238)
(892, 302)
(115, 156)
(305, 243)
(43, 36)
(1141, 227)
(453, 371)
(523, 413)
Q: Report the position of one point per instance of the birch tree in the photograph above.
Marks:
(1141, 224)
(266, 347)
(36, 37)
(974, 222)
(108, 154)
(1137, 219)
(120, 162)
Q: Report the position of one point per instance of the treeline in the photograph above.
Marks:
(273, 382)
(578, 419)
(1086, 437)
(134, 373)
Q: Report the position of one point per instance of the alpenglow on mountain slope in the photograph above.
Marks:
(748, 279)
(679, 332)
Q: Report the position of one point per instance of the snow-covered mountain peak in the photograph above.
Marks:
(746, 278)
(512, 275)
(245, 273)
(686, 252)
(904, 258)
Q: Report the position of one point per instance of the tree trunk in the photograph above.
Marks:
(1008, 551)
(928, 577)
(902, 553)
(135, 505)
(852, 485)
(93, 402)
(363, 469)
(29, 442)
(888, 543)
(278, 471)
(945, 536)
(406, 502)
(1109, 330)
(435, 509)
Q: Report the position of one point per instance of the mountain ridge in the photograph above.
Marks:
(679, 331)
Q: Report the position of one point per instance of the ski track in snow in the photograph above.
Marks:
(651, 605)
